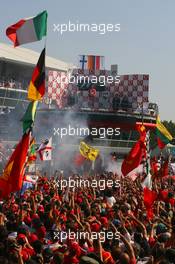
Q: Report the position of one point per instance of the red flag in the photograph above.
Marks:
(154, 166)
(135, 155)
(149, 199)
(142, 131)
(134, 158)
(12, 178)
(163, 195)
(160, 143)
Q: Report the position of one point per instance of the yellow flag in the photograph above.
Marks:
(87, 151)
(161, 129)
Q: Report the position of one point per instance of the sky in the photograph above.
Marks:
(145, 43)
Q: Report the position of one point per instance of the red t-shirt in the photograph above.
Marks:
(27, 253)
(133, 261)
(107, 258)
(70, 260)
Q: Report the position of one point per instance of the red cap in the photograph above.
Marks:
(107, 258)
(79, 200)
(95, 227)
(27, 220)
(75, 248)
(41, 208)
(15, 207)
(41, 232)
(21, 236)
(32, 238)
(104, 220)
(44, 179)
(35, 216)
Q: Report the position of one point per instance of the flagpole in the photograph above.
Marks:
(142, 112)
(161, 164)
(169, 172)
(20, 192)
(45, 42)
(35, 167)
(50, 169)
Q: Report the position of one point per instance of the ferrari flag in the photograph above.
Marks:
(12, 178)
(87, 151)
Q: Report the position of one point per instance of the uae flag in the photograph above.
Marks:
(28, 29)
(36, 89)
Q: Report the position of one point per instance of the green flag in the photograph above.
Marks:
(29, 116)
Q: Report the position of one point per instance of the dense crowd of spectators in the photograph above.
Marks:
(43, 225)
(12, 83)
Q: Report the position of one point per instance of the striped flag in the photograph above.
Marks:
(163, 135)
(91, 62)
(28, 29)
(36, 89)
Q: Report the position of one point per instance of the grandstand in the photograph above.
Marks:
(16, 66)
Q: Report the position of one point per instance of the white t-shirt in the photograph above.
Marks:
(111, 201)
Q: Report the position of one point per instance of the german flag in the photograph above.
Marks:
(37, 84)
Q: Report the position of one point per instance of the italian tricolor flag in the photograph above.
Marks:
(28, 29)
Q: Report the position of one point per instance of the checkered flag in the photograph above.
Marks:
(57, 87)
